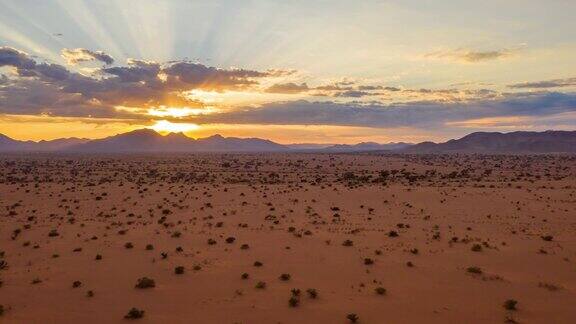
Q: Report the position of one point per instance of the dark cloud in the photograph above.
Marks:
(196, 75)
(288, 88)
(12, 57)
(34, 97)
(44, 88)
(557, 83)
(136, 71)
(78, 55)
(426, 113)
(27, 67)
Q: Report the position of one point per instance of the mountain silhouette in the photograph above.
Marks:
(147, 140)
(494, 142)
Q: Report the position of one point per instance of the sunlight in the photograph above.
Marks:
(236, 98)
(178, 112)
(164, 126)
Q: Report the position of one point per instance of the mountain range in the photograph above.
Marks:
(493, 142)
(146, 140)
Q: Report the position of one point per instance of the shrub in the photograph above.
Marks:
(145, 282)
(380, 290)
(476, 248)
(179, 270)
(547, 238)
(260, 285)
(293, 301)
(312, 293)
(134, 313)
(475, 270)
(76, 284)
(510, 304)
(353, 318)
(285, 277)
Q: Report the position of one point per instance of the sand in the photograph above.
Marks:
(390, 238)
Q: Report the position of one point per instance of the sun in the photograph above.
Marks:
(164, 126)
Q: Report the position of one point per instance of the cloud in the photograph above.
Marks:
(78, 55)
(45, 88)
(470, 56)
(27, 67)
(423, 114)
(130, 90)
(288, 88)
(354, 94)
(12, 57)
(557, 83)
(196, 75)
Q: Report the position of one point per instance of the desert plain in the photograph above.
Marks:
(287, 238)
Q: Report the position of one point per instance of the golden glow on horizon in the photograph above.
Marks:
(227, 99)
(179, 112)
(164, 126)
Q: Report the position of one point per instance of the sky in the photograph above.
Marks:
(293, 71)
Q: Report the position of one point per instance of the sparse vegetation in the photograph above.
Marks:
(134, 313)
(145, 283)
(312, 293)
(474, 270)
(353, 318)
(510, 304)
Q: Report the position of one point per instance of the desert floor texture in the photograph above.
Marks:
(287, 238)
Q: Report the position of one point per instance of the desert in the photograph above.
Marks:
(287, 238)
(287, 162)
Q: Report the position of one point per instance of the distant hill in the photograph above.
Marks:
(307, 146)
(514, 142)
(367, 146)
(8, 144)
(146, 140)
